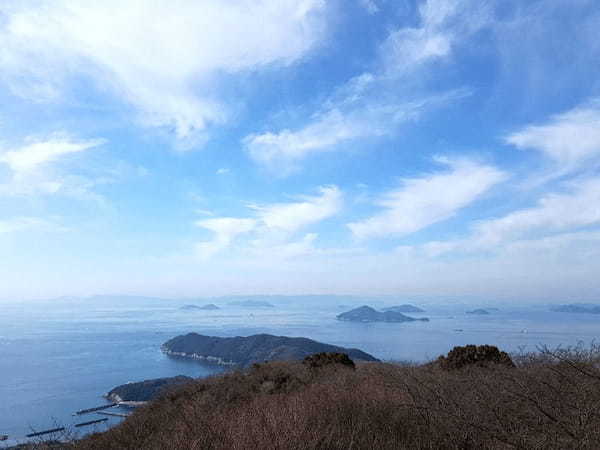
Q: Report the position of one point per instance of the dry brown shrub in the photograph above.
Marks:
(552, 402)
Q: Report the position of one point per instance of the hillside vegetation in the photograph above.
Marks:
(475, 398)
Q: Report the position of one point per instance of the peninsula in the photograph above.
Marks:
(144, 391)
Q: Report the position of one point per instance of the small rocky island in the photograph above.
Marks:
(144, 391)
(479, 311)
(209, 307)
(245, 351)
(581, 308)
(368, 314)
(406, 308)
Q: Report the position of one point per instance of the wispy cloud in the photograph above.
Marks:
(369, 5)
(225, 230)
(283, 151)
(571, 139)
(420, 202)
(555, 212)
(19, 224)
(36, 153)
(273, 225)
(293, 216)
(443, 25)
(167, 72)
(375, 103)
(32, 166)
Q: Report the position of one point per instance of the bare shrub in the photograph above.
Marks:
(328, 358)
(550, 402)
(474, 355)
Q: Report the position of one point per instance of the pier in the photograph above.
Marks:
(106, 413)
(41, 433)
(97, 408)
(91, 422)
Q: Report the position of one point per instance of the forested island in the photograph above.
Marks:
(368, 314)
(258, 348)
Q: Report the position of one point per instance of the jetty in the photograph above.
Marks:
(91, 422)
(41, 433)
(97, 408)
(106, 413)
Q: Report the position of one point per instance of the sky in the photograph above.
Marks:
(367, 147)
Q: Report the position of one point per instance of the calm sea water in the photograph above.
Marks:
(60, 357)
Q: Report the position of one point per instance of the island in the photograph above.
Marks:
(581, 308)
(479, 311)
(209, 307)
(144, 391)
(368, 314)
(406, 308)
(258, 348)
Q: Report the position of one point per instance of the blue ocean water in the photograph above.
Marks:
(61, 356)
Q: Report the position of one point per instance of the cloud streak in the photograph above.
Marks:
(273, 225)
(32, 166)
(571, 139)
(421, 202)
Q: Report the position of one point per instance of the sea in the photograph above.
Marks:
(60, 356)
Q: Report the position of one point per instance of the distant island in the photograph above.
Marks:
(368, 314)
(258, 348)
(144, 391)
(479, 311)
(582, 308)
(406, 308)
(209, 307)
(252, 304)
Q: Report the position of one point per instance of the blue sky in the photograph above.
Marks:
(196, 148)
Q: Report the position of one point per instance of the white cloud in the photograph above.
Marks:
(571, 139)
(36, 153)
(222, 171)
(375, 103)
(162, 57)
(421, 202)
(273, 225)
(17, 224)
(555, 215)
(225, 230)
(293, 216)
(554, 212)
(32, 167)
(369, 5)
(283, 151)
(443, 24)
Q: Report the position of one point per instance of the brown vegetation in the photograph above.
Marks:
(327, 359)
(550, 400)
(474, 355)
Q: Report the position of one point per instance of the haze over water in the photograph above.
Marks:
(61, 356)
